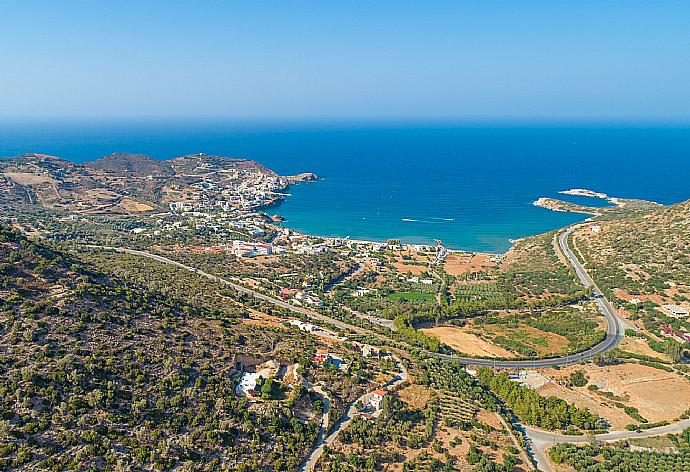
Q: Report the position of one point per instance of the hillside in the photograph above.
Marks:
(140, 165)
(96, 373)
(136, 183)
(642, 261)
(646, 256)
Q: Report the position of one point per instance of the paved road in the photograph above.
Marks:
(614, 325)
(241, 288)
(540, 440)
(320, 443)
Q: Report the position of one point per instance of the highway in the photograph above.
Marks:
(614, 326)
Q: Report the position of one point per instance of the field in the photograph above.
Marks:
(658, 395)
(459, 263)
(411, 262)
(467, 343)
(639, 346)
(27, 178)
(412, 296)
(539, 333)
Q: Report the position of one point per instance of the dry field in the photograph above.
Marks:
(532, 337)
(459, 263)
(27, 178)
(403, 266)
(657, 394)
(407, 268)
(640, 346)
(132, 206)
(467, 343)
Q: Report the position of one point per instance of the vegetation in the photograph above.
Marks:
(95, 372)
(545, 412)
(597, 458)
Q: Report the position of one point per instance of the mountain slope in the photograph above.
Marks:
(96, 374)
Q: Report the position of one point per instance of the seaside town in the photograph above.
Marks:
(335, 347)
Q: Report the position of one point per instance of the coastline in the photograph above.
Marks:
(375, 241)
(551, 204)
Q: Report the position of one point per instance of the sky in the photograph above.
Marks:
(397, 60)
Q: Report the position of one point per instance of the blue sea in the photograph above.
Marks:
(471, 186)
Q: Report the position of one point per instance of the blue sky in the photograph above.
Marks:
(484, 60)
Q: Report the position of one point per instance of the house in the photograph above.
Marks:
(368, 351)
(669, 333)
(596, 229)
(307, 327)
(322, 357)
(360, 292)
(376, 399)
(286, 293)
(426, 281)
(309, 299)
(675, 311)
(247, 249)
(247, 385)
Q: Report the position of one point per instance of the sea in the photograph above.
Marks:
(472, 186)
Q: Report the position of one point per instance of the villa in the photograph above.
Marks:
(377, 398)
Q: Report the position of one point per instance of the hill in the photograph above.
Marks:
(642, 262)
(99, 374)
(135, 183)
(140, 165)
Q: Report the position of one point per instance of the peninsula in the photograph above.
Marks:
(152, 314)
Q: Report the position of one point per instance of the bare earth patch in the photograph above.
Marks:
(467, 343)
(27, 178)
(412, 269)
(640, 346)
(133, 206)
(657, 394)
(459, 263)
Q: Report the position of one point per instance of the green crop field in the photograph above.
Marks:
(411, 296)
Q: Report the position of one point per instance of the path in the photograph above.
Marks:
(350, 414)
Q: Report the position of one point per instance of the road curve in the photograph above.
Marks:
(539, 441)
(614, 326)
(350, 414)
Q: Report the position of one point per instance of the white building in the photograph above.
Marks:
(675, 311)
(376, 399)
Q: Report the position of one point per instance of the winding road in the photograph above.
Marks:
(350, 414)
(614, 324)
(539, 440)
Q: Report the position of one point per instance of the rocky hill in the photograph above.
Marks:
(140, 165)
(135, 183)
(644, 255)
(97, 374)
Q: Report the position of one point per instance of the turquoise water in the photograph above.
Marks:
(472, 187)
